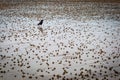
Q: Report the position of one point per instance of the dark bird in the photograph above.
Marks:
(41, 22)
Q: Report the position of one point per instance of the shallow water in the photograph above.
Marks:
(79, 41)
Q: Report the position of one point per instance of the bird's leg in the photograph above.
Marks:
(41, 29)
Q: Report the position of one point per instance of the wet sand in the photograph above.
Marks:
(80, 41)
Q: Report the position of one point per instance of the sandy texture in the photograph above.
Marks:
(80, 41)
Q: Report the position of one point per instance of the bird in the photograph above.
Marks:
(40, 28)
(41, 22)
